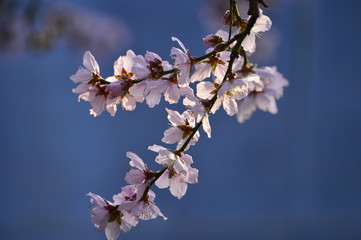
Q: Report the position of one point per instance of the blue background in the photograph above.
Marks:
(295, 175)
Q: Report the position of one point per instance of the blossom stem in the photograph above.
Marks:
(169, 71)
(231, 6)
(198, 59)
(244, 55)
(238, 16)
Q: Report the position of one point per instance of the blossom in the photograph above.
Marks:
(152, 69)
(199, 108)
(212, 40)
(87, 74)
(233, 89)
(105, 216)
(92, 87)
(264, 99)
(262, 24)
(182, 128)
(216, 64)
(182, 62)
(178, 172)
(219, 37)
(133, 201)
(138, 175)
(122, 81)
(97, 101)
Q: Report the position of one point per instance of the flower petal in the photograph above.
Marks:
(178, 187)
(136, 161)
(163, 180)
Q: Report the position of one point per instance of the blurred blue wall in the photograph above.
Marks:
(295, 175)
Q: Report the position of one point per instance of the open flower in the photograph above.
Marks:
(97, 91)
(227, 94)
(182, 62)
(122, 81)
(90, 72)
(216, 64)
(262, 24)
(178, 171)
(263, 98)
(152, 69)
(139, 175)
(182, 128)
(199, 108)
(106, 217)
(138, 205)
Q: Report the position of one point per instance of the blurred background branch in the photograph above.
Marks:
(32, 25)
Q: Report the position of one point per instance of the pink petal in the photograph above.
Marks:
(163, 180)
(178, 187)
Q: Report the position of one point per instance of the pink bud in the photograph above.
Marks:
(212, 40)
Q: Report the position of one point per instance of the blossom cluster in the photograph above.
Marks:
(222, 77)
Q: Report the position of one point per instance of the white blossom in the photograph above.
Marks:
(227, 94)
(88, 77)
(182, 62)
(131, 200)
(151, 68)
(199, 109)
(262, 24)
(182, 127)
(106, 217)
(216, 64)
(265, 99)
(138, 175)
(178, 171)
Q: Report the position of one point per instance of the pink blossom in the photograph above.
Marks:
(265, 98)
(199, 109)
(182, 127)
(216, 64)
(133, 201)
(91, 87)
(178, 173)
(233, 89)
(106, 217)
(151, 68)
(139, 175)
(263, 23)
(182, 62)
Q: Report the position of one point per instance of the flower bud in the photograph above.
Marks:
(227, 19)
(212, 40)
(236, 22)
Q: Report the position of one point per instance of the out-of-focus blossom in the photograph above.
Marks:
(39, 27)
(265, 100)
